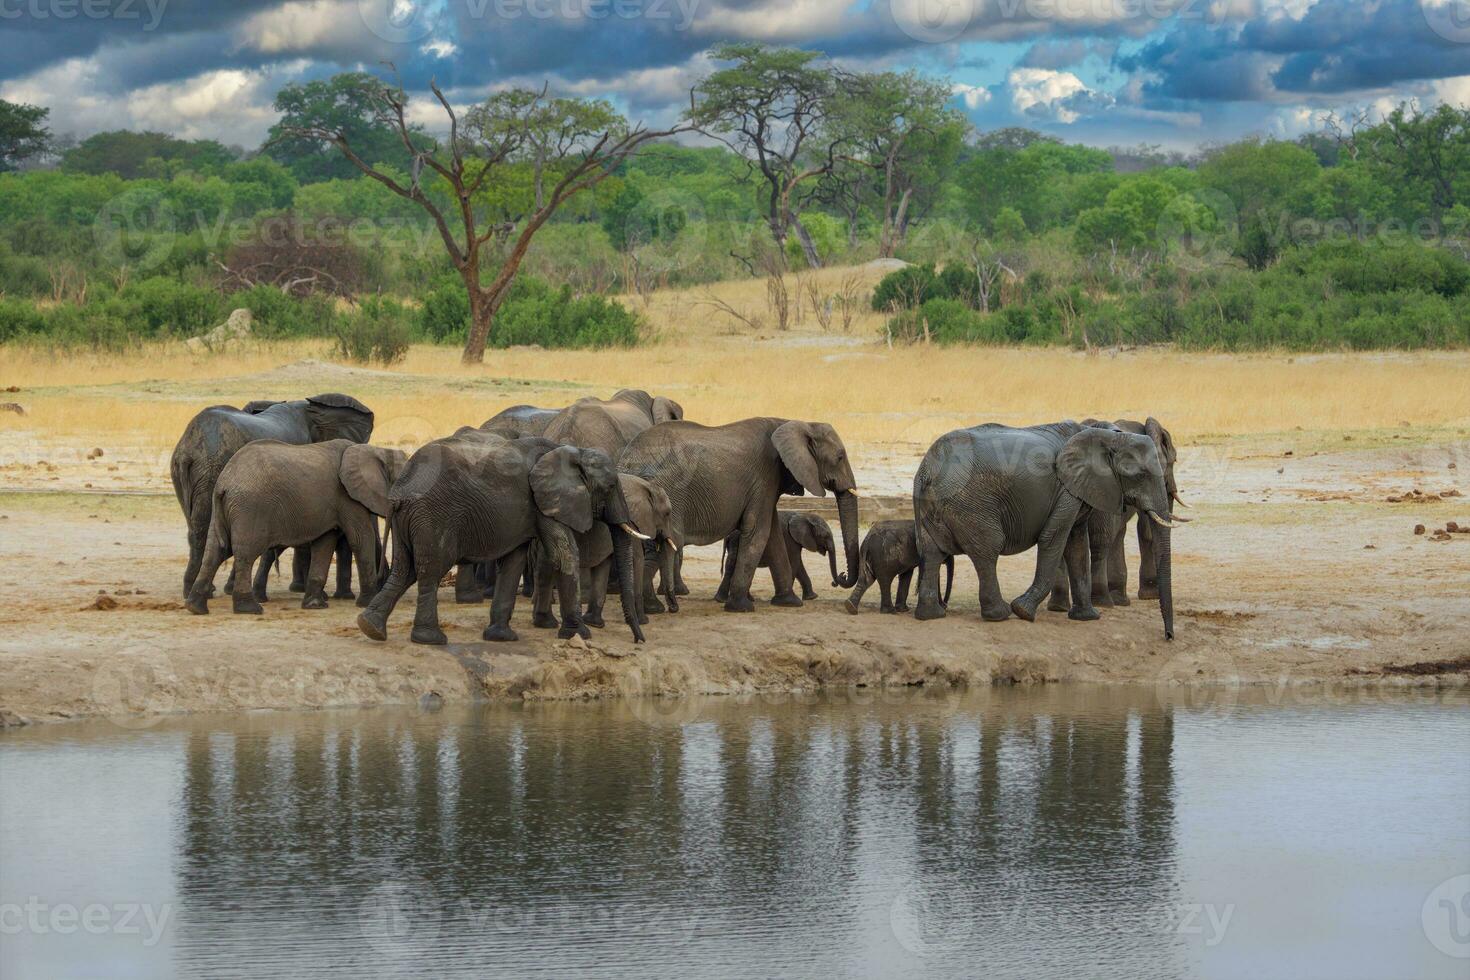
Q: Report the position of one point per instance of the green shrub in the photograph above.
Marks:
(534, 313)
(277, 316)
(19, 319)
(445, 315)
(166, 307)
(378, 330)
(903, 289)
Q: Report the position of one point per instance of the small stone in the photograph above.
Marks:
(104, 603)
(1418, 528)
(1370, 547)
(808, 641)
(96, 453)
(1452, 527)
(1453, 466)
(12, 407)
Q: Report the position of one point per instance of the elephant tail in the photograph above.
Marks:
(219, 523)
(949, 579)
(178, 471)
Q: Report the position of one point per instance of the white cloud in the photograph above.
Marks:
(300, 26)
(1047, 93)
(974, 96)
(774, 20)
(440, 49)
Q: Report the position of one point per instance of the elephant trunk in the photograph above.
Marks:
(623, 555)
(847, 515)
(832, 561)
(1163, 558)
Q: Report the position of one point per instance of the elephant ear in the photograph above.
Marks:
(256, 407)
(1085, 467)
(803, 530)
(793, 442)
(666, 410)
(338, 416)
(560, 492)
(367, 473)
(1165, 442)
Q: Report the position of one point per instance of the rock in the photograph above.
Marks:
(13, 389)
(239, 326)
(12, 407)
(1452, 527)
(9, 719)
(1370, 547)
(1452, 492)
(95, 453)
(1418, 528)
(1453, 466)
(103, 602)
(808, 641)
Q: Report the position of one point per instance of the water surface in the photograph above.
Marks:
(1016, 832)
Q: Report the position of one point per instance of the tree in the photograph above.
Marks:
(348, 104)
(1425, 152)
(514, 134)
(898, 126)
(23, 133)
(770, 107)
(133, 155)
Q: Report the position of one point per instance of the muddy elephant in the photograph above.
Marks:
(726, 479)
(217, 433)
(463, 500)
(1106, 533)
(795, 532)
(890, 550)
(995, 490)
(274, 495)
(520, 420)
(610, 424)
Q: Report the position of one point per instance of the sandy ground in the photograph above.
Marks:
(1297, 571)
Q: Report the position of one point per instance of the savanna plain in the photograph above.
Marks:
(1322, 557)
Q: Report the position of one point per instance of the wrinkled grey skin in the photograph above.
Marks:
(486, 499)
(891, 549)
(797, 532)
(726, 479)
(217, 433)
(609, 425)
(652, 515)
(520, 420)
(1106, 533)
(274, 495)
(995, 490)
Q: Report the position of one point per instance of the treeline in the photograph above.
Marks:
(1355, 236)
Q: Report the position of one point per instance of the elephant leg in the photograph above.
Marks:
(993, 606)
(426, 611)
(779, 560)
(373, 621)
(597, 594)
(1049, 547)
(316, 573)
(541, 615)
(798, 569)
(344, 571)
(642, 574)
(1148, 570)
(198, 520)
(679, 587)
(263, 573)
(1061, 594)
(885, 587)
(242, 599)
(1079, 560)
(930, 558)
(508, 572)
(650, 600)
(467, 590)
(362, 544)
(901, 600)
(863, 583)
(727, 567)
(214, 554)
(300, 567)
(1098, 536)
(528, 587)
(485, 578)
(568, 592)
(755, 528)
(1117, 562)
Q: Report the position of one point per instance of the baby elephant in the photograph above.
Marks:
(798, 532)
(891, 549)
(274, 495)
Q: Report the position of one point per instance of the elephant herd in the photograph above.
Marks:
(607, 493)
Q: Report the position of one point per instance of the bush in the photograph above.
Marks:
(536, 314)
(18, 319)
(378, 330)
(445, 316)
(906, 288)
(277, 316)
(166, 307)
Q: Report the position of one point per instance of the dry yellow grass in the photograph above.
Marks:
(875, 395)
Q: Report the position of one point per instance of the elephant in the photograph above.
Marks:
(461, 500)
(217, 433)
(609, 425)
(274, 494)
(797, 531)
(891, 549)
(1106, 532)
(995, 490)
(727, 479)
(520, 420)
(652, 515)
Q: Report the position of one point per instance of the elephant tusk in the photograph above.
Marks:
(1159, 520)
(630, 529)
(1180, 500)
(1181, 520)
(854, 492)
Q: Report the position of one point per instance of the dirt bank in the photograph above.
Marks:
(1296, 570)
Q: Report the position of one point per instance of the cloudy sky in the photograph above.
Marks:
(1172, 72)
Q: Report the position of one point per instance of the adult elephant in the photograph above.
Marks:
(726, 479)
(217, 433)
(610, 424)
(486, 499)
(1106, 532)
(520, 420)
(995, 490)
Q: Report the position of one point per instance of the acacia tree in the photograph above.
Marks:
(897, 125)
(770, 106)
(23, 133)
(569, 145)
